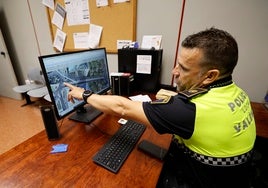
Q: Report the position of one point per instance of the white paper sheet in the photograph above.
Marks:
(94, 35)
(77, 12)
(59, 16)
(59, 40)
(151, 41)
(120, 1)
(80, 40)
(144, 63)
(142, 98)
(48, 3)
(101, 3)
(123, 43)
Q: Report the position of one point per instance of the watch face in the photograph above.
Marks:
(87, 92)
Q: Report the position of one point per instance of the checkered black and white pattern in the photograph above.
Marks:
(214, 161)
(228, 161)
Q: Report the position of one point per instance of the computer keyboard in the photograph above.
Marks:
(116, 150)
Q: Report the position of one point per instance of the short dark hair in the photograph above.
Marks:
(220, 49)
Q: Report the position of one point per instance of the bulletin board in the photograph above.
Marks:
(117, 19)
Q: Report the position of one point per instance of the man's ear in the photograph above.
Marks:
(211, 76)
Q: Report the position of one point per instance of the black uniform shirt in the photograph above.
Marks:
(175, 116)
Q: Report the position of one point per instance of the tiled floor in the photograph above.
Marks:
(18, 123)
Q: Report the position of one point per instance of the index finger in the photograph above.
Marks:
(68, 85)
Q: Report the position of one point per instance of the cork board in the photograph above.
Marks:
(118, 22)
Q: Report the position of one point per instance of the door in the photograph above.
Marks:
(7, 75)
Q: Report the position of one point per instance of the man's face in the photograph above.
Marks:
(187, 72)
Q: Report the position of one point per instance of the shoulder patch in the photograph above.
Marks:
(193, 92)
(162, 101)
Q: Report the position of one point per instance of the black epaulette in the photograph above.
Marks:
(193, 92)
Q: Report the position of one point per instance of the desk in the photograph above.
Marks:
(261, 119)
(30, 164)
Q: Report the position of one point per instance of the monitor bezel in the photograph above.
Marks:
(81, 103)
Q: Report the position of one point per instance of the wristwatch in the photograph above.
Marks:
(86, 94)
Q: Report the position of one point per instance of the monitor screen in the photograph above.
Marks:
(87, 69)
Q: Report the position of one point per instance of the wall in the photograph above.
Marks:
(149, 11)
(161, 17)
(18, 31)
(245, 19)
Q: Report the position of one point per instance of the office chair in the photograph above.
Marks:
(37, 87)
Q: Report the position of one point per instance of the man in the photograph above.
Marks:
(211, 117)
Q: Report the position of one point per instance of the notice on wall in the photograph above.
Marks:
(59, 16)
(94, 35)
(102, 3)
(59, 40)
(80, 40)
(49, 3)
(144, 64)
(77, 12)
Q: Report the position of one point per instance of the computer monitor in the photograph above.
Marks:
(87, 69)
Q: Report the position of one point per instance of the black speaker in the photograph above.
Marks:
(50, 122)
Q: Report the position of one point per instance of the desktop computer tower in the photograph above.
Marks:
(122, 83)
(127, 62)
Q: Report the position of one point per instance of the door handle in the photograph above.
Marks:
(3, 54)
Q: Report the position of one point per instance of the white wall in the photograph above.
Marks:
(21, 43)
(159, 17)
(246, 20)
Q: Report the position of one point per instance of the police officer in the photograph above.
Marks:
(211, 119)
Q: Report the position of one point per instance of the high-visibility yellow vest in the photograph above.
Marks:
(224, 123)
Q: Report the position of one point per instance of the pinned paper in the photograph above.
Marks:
(101, 3)
(59, 40)
(94, 35)
(80, 40)
(59, 16)
(49, 3)
(77, 12)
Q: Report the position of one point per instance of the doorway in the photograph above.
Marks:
(8, 78)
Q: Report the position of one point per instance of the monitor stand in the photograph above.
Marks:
(85, 114)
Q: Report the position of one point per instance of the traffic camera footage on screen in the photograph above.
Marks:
(87, 70)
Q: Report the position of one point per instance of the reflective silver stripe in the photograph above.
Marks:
(214, 161)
